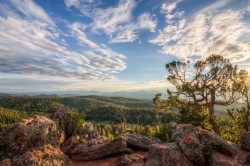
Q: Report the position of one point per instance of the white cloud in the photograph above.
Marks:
(86, 7)
(32, 10)
(130, 31)
(29, 47)
(169, 10)
(145, 21)
(117, 22)
(109, 19)
(77, 31)
(210, 31)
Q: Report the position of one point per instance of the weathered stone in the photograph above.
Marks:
(45, 156)
(245, 140)
(5, 162)
(97, 148)
(69, 143)
(26, 134)
(248, 157)
(140, 142)
(172, 127)
(212, 139)
(167, 155)
(132, 160)
(88, 131)
(220, 159)
(64, 121)
(187, 137)
(68, 125)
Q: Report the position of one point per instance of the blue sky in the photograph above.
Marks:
(114, 45)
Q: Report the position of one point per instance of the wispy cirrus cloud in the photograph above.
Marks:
(30, 47)
(86, 7)
(129, 32)
(117, 22)
(32, 11)
(215, 29)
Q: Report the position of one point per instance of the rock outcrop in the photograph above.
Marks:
(245, 141)
(68, 144)
(167, 155)
(218, 144)
(221, 159)
(248, 157)
(45, 155)
(68, 126)
(5, 162)
(88, 131)
(27, 134)
(132, 160)
(189, 143)
(42, 141)
(187, 137)
(98, 148)
(140, 142)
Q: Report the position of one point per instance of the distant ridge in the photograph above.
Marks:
(135, 95)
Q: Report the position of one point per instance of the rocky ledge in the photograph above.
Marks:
(56, 141)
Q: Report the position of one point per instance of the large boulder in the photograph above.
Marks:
(140, 142)
(167, 155)
(132, 160)
(64, 121)
(98, 148)
(212, 139)
(220, 159)
(187, 137)
(67, 124)
(87, 130)
(5, 162)
(245, 140)
(69, 143)
(248, 157)
(45, 156)
(26, 134)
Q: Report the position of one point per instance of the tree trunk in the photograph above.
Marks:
(211, 113)
(247, 113)
(196, 104)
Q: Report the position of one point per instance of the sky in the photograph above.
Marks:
(114, 45)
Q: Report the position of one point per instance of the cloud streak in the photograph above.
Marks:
(116, 22)
(214, 29)
(30, 47)
(32, 11)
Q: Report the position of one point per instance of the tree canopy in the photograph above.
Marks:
(206, 82)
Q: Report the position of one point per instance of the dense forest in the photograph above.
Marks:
(215, 97)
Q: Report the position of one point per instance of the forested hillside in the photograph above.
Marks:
(96, 108)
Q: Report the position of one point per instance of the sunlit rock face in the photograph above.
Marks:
(26, 134)
(68, 127)
(139, 141)
(44, 155)
(98, 148)
(167, 155)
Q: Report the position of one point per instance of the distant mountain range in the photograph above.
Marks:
(136, 95)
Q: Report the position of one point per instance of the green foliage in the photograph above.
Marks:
(78, 118)
(96, 108)
(112, 131)
(188, 115)
(238, 122)
(10, 116)
(120, 114)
